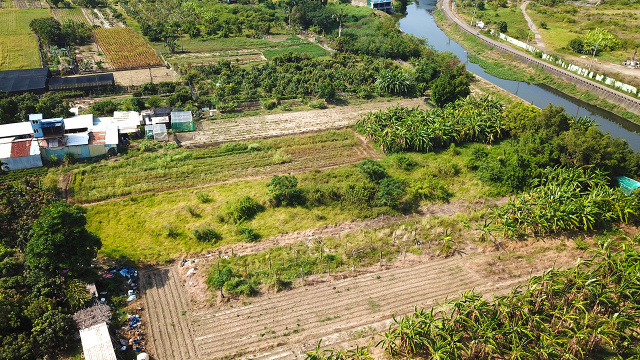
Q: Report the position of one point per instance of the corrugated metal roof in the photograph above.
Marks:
(77, 139)
(20, 148)
(160, 120)
(79, 122)
(5, 151)
(16, 129)
(96, 343)
(181, 116)
(24, 80)
(111, 138)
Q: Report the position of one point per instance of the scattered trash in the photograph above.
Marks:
(123, 348)
(131, 298)
(191, 271)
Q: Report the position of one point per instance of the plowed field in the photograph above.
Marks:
(286, 325)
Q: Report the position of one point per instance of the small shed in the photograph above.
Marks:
(181, 121)
(160, 132)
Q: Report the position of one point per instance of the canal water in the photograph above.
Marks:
(419, 22)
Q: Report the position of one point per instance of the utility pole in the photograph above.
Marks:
(474, 14)
(594, 54)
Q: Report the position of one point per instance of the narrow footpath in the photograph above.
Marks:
(536, 35)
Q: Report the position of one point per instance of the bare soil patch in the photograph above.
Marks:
(141, 76)
(342, 311)
(271, 125)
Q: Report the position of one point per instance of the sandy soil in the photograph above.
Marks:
(141, 76)
(270, 125)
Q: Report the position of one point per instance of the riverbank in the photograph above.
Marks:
(494, 62)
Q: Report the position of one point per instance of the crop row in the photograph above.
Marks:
(125, 49)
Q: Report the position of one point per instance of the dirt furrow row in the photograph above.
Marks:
(182, 333)
(361, 281)
(360, 315)
(157, 329)
(407, 294)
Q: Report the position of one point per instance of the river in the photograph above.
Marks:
(419, 22)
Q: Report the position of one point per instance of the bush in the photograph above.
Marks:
(318, 104)
(226, 107)
(390, 193)
(269, 104)
(280, 157)
(248, 233)
(404, 162)
(207, 234)
(502, 26)
(359, 195)
(239, 286)
(244, 208)
(283, 191)
(372, 169)
(430, 189)
(576, 45)
(203, 197)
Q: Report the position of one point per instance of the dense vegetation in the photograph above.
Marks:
(468, 120)
(16, 108)
(589, 311)
(45, 253)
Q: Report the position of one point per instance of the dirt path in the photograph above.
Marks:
(341, 312)
(532, 26)
(271, 125)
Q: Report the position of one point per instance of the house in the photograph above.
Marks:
(382, 5)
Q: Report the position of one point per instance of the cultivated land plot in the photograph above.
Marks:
(18, 47)
(285, 123)
(75, 14)
(125, 49)
(285, 325)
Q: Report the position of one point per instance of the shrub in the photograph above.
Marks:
(269, 104)
(430, 189)
(226, 107)
(359, 194)
(283, 191)
(193, 211)
(203, 197)
(404, 162)
(543, 25)
(280, 157)
(239, 286)
(248, 233)
(171, 231)
(372, 169)
(207, 234)
(244, 208)
(502, 26)
(576, 45)
(318, 104)
(390, 193)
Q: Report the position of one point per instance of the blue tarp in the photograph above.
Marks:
(627, 185)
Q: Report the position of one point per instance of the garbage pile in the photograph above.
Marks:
(132, 333)
(128, 273)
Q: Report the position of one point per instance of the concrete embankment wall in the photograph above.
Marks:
(630, 103)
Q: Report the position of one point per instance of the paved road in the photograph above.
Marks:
(532, 26)
(630, 103)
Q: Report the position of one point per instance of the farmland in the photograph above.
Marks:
(125, 49)
(75, 14)
(18, 47)
(343, 312)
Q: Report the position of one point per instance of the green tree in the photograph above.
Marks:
(48, 30)
(390, 193)
(218, 278)
(283, 190)
(104, 107)
(576, 45)
(502, 26)
(372, 169)
(60, 241)
(53, 105)
(450, 86)
(75, 33)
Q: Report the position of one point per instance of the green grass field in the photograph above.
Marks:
(516, 23)
(18, 48)
(566, 22)
(157, 227)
